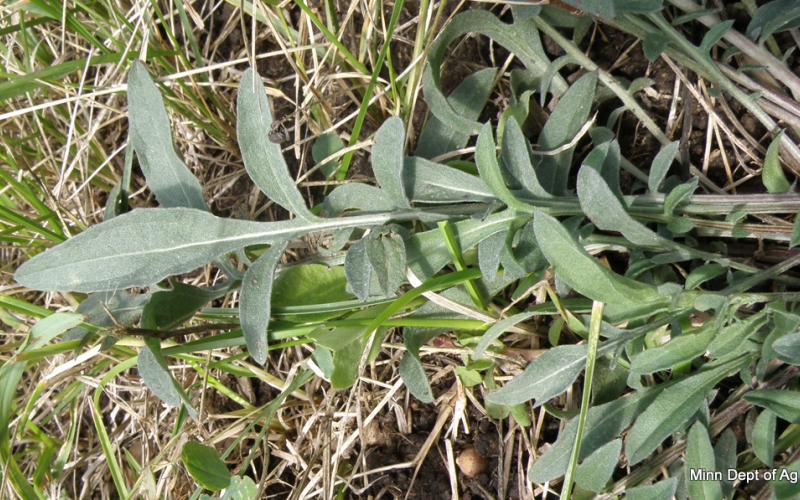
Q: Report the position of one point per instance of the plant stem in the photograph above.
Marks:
(591, 356)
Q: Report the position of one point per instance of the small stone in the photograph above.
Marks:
(470, 462)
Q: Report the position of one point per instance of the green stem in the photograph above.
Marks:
(591, 357)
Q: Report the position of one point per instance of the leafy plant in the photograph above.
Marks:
(506, 224)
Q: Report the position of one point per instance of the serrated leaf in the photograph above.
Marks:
(784, 403)
(49, 327)
(662, 490)
(156, 375)
(670, 410)
(205, 466)
(516, 158)
(606, 211)
(772, 174)
(787, 348)
(548, 376)
(498, 329)
(566, 120)
(763, 436)
(167, 176)
(603, 424)
(594, 472)
(714, 35)
(262, 158)
(489, 168)
(700, 456)
(255, 301)
(583, 273)
(468, 100)
(169, 308)
(387, 160)
(660, 166)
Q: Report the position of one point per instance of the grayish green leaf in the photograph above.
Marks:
(700, 456)
(660, 166)
(772, 174)
(156, 375)
(520, 38)
(671, 409)
(240, 488)
(255, 301)
(354, 195)
(784, 403)
(263, 159)
(468, 99)
(773, 17)
(583, 273)
(516, 158)
(167, 176)
(795, 239)
(594, 472)
(169, 308)
(387, 256)
(144, 246)
(787, 348)
(205, 466)
(489, 168)
(764, 437)
(435, 183)
(358, 270)
(498, 329)
(605, 159)
(725, 458)
(733, 336)
(714, 35)
(546, 377)
(701, 274)
(678, 195)
(324, 146)
(414, 378)
(783, 487)
(569, 115)
(677, 350)
(662, 490)
(603, 423)
(387, 160)
(489, 251)
(607, 212)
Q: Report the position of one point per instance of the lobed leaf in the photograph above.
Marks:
(387, 160)
(167, 176)
(263, 159)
